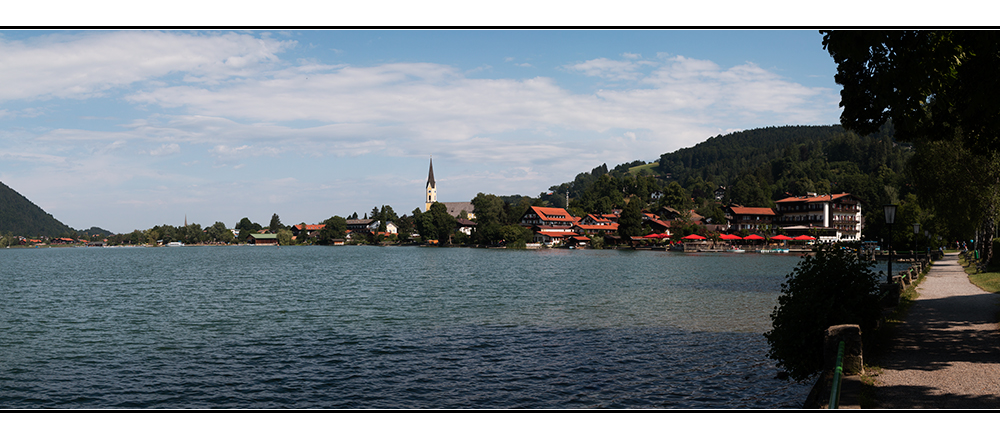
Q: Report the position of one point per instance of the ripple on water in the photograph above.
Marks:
(331, 328)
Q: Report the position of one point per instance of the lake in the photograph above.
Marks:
(388, 327)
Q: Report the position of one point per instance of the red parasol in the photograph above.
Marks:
(693, 237)
(781, 237)
(729, 237)
(804, 238)
(753, 237)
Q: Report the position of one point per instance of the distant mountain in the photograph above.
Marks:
(764, 164)
(21, 217)
(95, 231)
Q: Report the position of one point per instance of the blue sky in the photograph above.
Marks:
(129, 129)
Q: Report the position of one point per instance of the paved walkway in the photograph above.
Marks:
(947, 353)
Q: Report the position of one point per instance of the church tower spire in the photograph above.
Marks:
(431, 188)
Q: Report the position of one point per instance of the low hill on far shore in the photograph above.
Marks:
(21, 217)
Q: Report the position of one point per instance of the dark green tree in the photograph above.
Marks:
(630, 222)
(675, 196)
(490, 219)
(437, 224)
(404, 228)
(831, 287)
(385, 216)
(218, 232)
(932, 84)
(275, 224)
(246, 227)
(334, 227)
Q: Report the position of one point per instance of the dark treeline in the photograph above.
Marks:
(334, 228)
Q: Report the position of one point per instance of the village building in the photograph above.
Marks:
(263, 239)
(368, 224)
(834, 217)
(465, 226)
(551, 225)
(655, 223)
(749, 218)
(310, 229)
(553, 219)
(719, 193)
(595, 224)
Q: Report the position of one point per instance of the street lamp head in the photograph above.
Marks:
(916, 228)
(890, 213)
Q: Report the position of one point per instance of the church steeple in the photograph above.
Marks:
(431, 188)
(430, 175)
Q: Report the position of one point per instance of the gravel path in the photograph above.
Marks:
(947, 353)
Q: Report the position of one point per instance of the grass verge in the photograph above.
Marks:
(988, 281)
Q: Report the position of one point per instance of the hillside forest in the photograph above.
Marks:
(757, 167)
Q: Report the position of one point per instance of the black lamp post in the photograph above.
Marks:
(890, 218)
(916, 233)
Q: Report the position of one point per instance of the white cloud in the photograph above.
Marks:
(609, 69)
(166, 149)
(85, 65)
(399, 107)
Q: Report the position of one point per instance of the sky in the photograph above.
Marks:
(128, 129)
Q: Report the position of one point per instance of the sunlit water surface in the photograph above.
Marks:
(375, 328)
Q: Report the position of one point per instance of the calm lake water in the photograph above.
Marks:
(375, 328)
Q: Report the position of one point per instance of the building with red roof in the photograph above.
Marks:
(836, 216)
(749, 218)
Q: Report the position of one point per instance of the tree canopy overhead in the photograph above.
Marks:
(939, 89)
(931, 84)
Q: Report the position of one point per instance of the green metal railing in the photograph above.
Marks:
(837, 373)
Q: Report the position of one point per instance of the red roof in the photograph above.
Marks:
(557, 234)
(597, 227)
(597, 219)
(309, 227)
(816, 199)
(752, 210)
(553, 214)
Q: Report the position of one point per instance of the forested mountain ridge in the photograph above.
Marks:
(19, 216)
(756, 167)
(761, 165)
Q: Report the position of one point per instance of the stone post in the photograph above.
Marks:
(851, 335)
